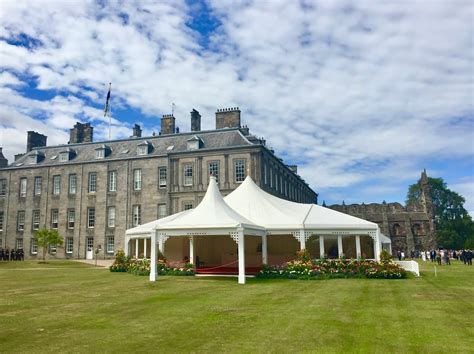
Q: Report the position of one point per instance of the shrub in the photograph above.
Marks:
(121, 262)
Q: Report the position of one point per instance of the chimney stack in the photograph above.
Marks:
(3, 160)
(81, 133)
(228, 118)
(35, 140)
(195, 121)
(168, 124)
(137, 131)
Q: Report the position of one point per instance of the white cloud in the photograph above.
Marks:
(355, 92)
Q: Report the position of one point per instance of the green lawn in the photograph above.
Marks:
(70, 307)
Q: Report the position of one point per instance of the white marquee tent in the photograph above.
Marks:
(250, 211)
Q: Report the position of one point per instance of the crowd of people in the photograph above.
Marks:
(12, 254)
(440, 256)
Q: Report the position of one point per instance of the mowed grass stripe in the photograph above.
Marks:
(80, 310)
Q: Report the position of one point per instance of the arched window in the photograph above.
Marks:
(396, 230)
(417, 230)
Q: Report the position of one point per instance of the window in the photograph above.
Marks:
(271, 177)
(142, 149)
(19, 244)
(71, 218)
(1, 222)
(92, 182)
(162, 175)
(188, 175)
(90, 218)
(36, 219)
(3, 187)
(69, 245)
(112, 181)
(54, 218)
(265, 181)
(56, 185)
(110, 244)
(21, 220)
(34, 246)
(161, 211)
(64, 156)
(214, 169)
(72, 184)
(111, 217)
(23, 182)
(136, 215)
(137, 180)
(90, 243)
(239, 170)
(188, 205)
(53, 249)
(100, 153)
(38, 182)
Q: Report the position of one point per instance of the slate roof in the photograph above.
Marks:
(127, 148)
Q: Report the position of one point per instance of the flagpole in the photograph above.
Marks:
(106, 109)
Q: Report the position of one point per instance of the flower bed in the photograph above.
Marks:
(142, 266)
(337, 268)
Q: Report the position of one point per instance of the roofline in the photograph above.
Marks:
(137, 138)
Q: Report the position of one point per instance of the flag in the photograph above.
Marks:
(106, 109)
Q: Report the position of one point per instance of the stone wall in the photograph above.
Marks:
(410, 227)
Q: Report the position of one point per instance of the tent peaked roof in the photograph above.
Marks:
(145, 229)
(265, 209)
(211, 213)
(323, 218)
(275, 213)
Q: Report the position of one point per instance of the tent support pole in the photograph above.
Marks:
(153, 257)
(340, 251)
(126, 246)
(358, 253)
(136, 248)
(264, 249)
(241, 252)
(302, 240)
(321, 246)
(191, 249)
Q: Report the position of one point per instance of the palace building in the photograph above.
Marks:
(91, 192)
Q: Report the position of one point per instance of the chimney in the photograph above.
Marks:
(137, 131)
(195, 121)
(35, 140)
(168, 124)
(228, 118)
(3, 160)
(81, 133)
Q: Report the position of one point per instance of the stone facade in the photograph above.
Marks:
(410, 227)
(75, 187)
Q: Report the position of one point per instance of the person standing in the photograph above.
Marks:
(469, 257)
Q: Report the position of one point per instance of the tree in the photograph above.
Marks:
(454, 225)
(46, 237)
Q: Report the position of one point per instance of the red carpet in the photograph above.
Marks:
(227, 270)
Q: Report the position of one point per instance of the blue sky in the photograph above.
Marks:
(361, 95)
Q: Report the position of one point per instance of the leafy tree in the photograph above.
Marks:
(453, 223)
(46, 237)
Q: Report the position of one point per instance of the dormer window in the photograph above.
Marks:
(143, 148)
(102, 151)
(66, 155)
(194, 143)
(35, 157)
